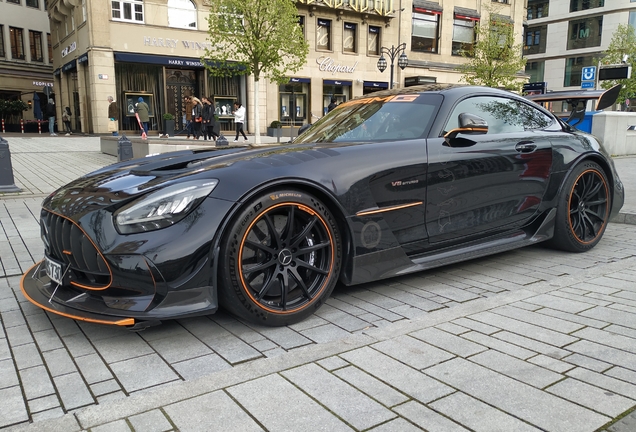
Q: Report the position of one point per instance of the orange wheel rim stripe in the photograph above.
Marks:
(240, 258)
(606, 206)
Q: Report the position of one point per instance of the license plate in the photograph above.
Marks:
(53, 270)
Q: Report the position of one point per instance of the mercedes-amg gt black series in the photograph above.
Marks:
(393, 182)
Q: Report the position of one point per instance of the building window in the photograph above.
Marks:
(349, 38)
(182, 14)
(131, 10)
(585, 32)
(573, 69)
(535, 40)
(373, 43)
(83, 10)
(535, 70)
(2, 52)
(578, 5)
(323, 35)
(463, 36)
(13, 1)
(501, 1)
(48, 42)
(425, 33)
(632, 19)
(33, 3)
(35, 39)
(301, 23)
(17, 43)
(538, 8)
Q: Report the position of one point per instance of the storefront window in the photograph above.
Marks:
(323, 35)
(463, 36)
(2, 53)
(374, 40)
(573, 69)
(130, 10)
(349, 38)
(293, 102)
(425, 32)
(33, 3)
(340, 91)
(182, 14)
(17, 43)
(585, 32)
(535, 70)
(35, 39)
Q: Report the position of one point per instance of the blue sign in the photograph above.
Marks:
(588, 74)
(587, 85)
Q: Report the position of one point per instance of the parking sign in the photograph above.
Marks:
(588, 73)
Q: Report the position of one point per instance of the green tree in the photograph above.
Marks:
(258, 37)
(495, 59)
(623, 43)
(12, 109)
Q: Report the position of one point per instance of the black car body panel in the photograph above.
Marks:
(402, 203)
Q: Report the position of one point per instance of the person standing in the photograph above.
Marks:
(209, 120)
(188, 115)
(239, 119)
(197, 117)
(112, 112)
(332, 105)
(144, 113)
(66, 118)
(50, 113)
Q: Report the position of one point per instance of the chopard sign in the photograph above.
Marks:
(327, 64)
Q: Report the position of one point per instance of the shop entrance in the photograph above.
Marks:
(179, 84)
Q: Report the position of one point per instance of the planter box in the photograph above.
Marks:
(274, 132)
(168, 127)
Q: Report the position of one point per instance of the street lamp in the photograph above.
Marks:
(392, 52)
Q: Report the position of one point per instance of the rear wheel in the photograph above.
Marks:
(281, 258)
(583, 210)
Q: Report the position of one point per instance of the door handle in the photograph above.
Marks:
(525, 147)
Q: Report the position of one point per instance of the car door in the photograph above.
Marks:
(487, 182)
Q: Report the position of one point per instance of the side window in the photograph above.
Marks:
(503, 115)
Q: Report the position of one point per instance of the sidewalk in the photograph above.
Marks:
(533, 339)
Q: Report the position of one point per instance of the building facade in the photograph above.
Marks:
(563, 37)
(152, 49)
(25, 54)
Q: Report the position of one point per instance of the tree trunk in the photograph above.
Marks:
(257, 117)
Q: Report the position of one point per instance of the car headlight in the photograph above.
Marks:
(162, 208)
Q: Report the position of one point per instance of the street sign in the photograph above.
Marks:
(614, 72)
(47, 91)
(587, 85)
(588, 73)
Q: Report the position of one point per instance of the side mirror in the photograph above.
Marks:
(468, 124)
(303, 128)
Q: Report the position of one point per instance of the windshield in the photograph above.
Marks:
(393, 117)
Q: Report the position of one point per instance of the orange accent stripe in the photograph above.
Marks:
(387, 209)
(96, 248)
(121, 322)
(245, 287)
(606, 205)
(65, 252)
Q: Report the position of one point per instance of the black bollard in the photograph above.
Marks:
(222, 141)
(124, 149)
(6, 170)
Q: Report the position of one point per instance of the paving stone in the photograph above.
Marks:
(341, 319)
(344, 306)
(105, 387)
(276, 392)
(122, 347)
(200, 366)
(274, 352)
(616, 329)
(592, 298)
(235, 327)
(537, 319)
(613, 283)
(345, 401)
(13, 318)
(38, 321)
(143, 372)
(64, 326)
(476, 325)
(73, 391)
(622, 374)
(8, 374)
(43, 404)
(27, 356)
(587, 362)
(311, 322)
(151, 421)
(607, 338)
(410, 299)
(381, 312)
(111, 397)
(536, 346)
(178, 348)
(99, 332)
(527, 306)
(36, 382)
(78, 345)
(19, 335)
(478, 416)
(452, 328)
(627, 389)
(518, 369)
(604, 353)
(589, 322)
(550, 363)
(371, 386)
(446, 341)
(332, 363)
(412, 352)
(59, 362)
(557, 303)
(326, 333)
(116, 426)
(264, 345)
(626, 424)
(284, 337)
(427, 419)
(397, 425)
(592, 397)
(167, 329)
(517, 399)
(93, 368)
(498, 345)
(225, 344)
(397, 375)
(47, 415)
(612, 316)
(47, 340)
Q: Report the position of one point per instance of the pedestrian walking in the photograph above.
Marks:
(332, 105)
(144, 113)
(112, 114)
(197, 117)
(66, 119)
(209, 121)
(51, 113)
(239, 119)
(188, 114)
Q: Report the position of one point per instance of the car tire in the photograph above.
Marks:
(583, 209)
(280, 259)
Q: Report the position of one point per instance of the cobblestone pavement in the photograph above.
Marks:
(532, 339)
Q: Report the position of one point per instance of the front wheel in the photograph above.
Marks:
(281, 258)
(583, 210)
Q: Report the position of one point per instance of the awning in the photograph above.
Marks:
(465, 13)
(504, 18)
(83, 58)
(188, 62)
(376, 84)
(299, 80)
(69, 66)
(427, 6)
(337, 82)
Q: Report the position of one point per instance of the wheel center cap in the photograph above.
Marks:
(285, 257)
(581, 206)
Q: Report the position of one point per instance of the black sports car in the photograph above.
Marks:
(390, 183)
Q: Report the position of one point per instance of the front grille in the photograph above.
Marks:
(68, 244)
